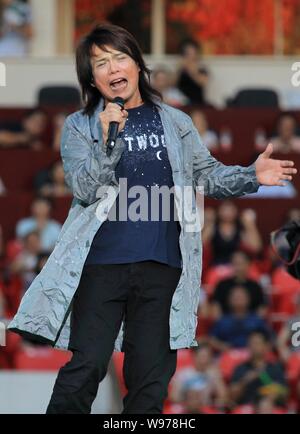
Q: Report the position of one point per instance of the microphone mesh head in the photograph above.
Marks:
(118, 100)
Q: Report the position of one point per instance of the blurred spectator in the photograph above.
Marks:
(209, 137)
(226, 232)
(204, 376)
(27, 134)
(163, 81)
(15, 28)
(26, 262)
(284, 338)
(286, 139)
(233, 329)
(2, 188)
(58, 122)
(51, 183)
(240, 276)
(192, 78)
(258, 377)
(265, 405)
(41, 222)
(293, 214)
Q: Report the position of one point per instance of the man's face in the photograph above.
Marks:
(116, 74)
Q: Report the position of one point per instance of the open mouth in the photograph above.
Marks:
(118, 84)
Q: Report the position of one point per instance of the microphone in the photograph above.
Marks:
(113, 128)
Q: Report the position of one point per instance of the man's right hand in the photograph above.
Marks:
(112, 113)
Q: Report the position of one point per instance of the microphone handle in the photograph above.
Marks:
(112, 136)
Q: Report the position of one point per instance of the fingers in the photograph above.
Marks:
(286, 163)
(289, 171)
(114, 113)
(287, 177)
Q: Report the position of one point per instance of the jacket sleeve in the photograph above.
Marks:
(86, 165)
(217, 179)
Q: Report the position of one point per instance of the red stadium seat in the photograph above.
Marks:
(118, 359)
(243, 409)
(230, 359)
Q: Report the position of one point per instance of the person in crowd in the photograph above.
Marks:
(40, 220)
(28, 134)
(226, 232)
(205, 374)
(26, 261)
(287, 138)
(208, 136)
(15, 28)
(51, 183)
(240, 276)
(163, 81)
(192, 76)
(258, 376)
(233, 329)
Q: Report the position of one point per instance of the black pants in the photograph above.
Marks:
(142, 292)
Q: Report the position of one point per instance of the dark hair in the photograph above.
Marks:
(122, 40)
(264, 334)
(188, 42)
(34, 111)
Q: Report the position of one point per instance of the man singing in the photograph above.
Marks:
(130, 285)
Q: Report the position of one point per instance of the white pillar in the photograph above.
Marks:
(44, 27)
(158, 27)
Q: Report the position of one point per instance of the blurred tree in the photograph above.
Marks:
(237, 26)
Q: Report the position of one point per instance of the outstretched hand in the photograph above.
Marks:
(273, 172)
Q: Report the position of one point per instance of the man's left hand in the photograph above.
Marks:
(273, 172)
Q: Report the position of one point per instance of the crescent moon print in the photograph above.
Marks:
(157, 154)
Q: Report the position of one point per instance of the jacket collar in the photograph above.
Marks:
(168, 113)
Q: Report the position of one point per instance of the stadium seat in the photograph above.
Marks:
(254, 98)
(58, 95)
(230, 359)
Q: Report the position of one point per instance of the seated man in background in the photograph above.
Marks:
(40, 221)
(205, 374)
(226, 231)
(51, 183)
(208, 136)
(192, 78)
(287, 140)
(162, 80)
(233, 329)
(15, 28)
(240, 276)
(258, 377)
(27, 134)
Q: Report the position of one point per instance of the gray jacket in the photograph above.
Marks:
(44, 312)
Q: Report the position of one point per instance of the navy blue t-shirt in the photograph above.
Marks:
(145, 163)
